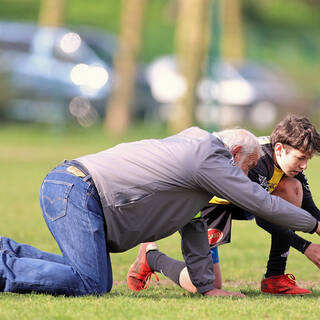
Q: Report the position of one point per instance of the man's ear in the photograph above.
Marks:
(236, 150)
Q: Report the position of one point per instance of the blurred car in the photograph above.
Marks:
(230, 94)
(56, 73)
(105, 46)
(52, 74)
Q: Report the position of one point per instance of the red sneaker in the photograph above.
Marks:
(282, 285)
(139, 274)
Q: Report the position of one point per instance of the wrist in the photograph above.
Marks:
(305, 246)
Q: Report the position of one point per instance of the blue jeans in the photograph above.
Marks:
(73, 213)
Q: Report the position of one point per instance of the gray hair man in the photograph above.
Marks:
(243, 146)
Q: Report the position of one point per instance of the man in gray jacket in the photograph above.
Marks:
(133, 193)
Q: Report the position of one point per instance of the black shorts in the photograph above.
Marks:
(219, 220)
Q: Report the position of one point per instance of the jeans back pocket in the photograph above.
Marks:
(53, 198)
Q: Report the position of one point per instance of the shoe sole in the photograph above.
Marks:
(286, 294)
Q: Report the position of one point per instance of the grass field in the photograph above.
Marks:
(27, 153)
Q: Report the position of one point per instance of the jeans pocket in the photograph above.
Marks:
(54, 198)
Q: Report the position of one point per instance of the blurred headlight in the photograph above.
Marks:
(93, 77)
(167, 87)
(166, 84)
(234, 92)
(70, 42)
(99, 77)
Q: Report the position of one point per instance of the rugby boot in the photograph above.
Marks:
(282, 285)
(139, 274)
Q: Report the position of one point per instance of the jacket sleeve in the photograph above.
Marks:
(196, 253)
(229, 182)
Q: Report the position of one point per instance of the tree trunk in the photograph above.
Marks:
(118, 110)
(51, 13)
(232, 30)
(191, 36)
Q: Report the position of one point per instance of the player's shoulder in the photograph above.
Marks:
(266, 147)
(263, 140)
(264, 166)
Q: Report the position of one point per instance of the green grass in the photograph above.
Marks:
(28, 152)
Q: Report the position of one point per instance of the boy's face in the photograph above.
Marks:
(291, 161)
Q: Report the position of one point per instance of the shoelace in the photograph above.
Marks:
(290, 278)
(146, 281)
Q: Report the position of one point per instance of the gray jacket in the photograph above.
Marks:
(151, 188)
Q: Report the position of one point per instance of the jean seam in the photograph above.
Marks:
(88, 213)
(95, 247)
(5, 251)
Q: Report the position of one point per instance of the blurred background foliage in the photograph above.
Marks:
(278, 32)
(272, 27)
(287, 33)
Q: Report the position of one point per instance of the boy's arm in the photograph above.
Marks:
(307, 201)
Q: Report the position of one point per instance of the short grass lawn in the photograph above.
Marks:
(29, 152)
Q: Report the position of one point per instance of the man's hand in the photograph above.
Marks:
(313, 253)
(223, 293)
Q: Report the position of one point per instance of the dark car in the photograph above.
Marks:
(54, 74)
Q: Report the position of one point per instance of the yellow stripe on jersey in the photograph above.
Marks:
(217, 200)
(275, 179)
(214, 200)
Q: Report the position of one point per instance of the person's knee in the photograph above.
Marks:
(185, 281)
(289, 183)
(290, 189)
(97, 288)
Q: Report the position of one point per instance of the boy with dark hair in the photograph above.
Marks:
(280, 171)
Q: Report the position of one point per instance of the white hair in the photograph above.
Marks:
(240, 137)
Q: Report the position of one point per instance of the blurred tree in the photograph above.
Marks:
(118, 110)
(51, 13)
(313, 2)
(232, 30)
(5, 90)
(191, 35)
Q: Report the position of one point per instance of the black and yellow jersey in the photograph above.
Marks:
(268, 175)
